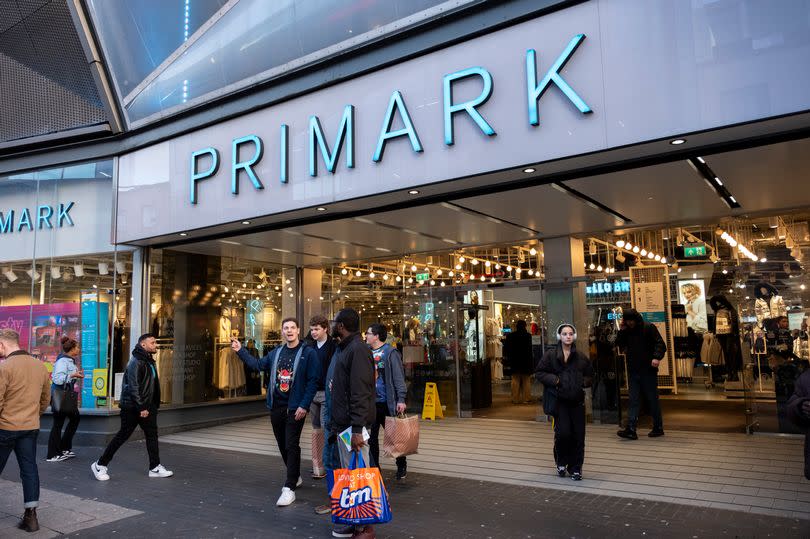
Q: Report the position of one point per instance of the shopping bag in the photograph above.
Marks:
(401, 436)
(358, 495)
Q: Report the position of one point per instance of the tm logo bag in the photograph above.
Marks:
(358, 495)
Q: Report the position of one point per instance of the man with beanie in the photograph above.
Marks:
(644, 349)
(140, 400)
(24, 396)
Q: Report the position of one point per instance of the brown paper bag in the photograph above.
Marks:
(401, 436)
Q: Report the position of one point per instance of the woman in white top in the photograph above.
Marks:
(65, 373)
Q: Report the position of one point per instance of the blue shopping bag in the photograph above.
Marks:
(358, 495)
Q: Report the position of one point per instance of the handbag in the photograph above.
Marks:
(401, 436)
(64, 399)
(550, 400)
(358, 496)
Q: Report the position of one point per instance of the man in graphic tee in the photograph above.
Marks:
(294, 371)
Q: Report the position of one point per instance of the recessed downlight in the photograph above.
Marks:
(320, 208)
(529, 170)
(413, 192)
(677, 141)
(184, 234)
(245, 222)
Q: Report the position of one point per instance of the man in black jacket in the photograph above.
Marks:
(518, 352)
(140, 400)
(353, 391)
(798, 409)
(644, 349)
(352, 394)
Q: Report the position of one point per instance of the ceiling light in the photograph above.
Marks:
(372, 275)
(497, 266)
(413, 267)
(763, 259)
(680, 270)
(451, 273)
(458, 266)
(591, 266)
(644, 252)
(439, 271)
(344, 271)
(385, 277)
(598, 268)
(725, 271)
(509, 269)
(413, 192)
(474, 262)
(628, 246)
(398, 278)
(533, 251)
(103, 268)
(531, 271)
(657, 258)
(184, 234)
(636, 249)
(620, 243)
(487, 263)
(650, 255)
(432, 282)
(320, 208)
(78, 270)
(528, 170)
(410, 280)
(802, 286)
(483, 278)
(358, 273)
(245, 222)
(663, 260)
(677, 141)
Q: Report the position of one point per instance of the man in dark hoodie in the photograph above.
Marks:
(353, 394)
(644, 349)
(798, 409)
(140, 400)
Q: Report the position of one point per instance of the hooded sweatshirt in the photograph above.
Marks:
(641, 344)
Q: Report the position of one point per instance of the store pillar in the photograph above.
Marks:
(290, 293)
(311, 304)
(565, 288)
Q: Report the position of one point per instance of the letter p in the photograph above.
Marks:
(197, 176)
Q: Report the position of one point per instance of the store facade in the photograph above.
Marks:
(443, 193)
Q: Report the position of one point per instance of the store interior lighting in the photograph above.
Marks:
(120, 267)
(33, 274)
(56, 272)
(78, 270)
(10, 275)
(103, 268)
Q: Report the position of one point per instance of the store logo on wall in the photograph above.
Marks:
(44, 217)
(205, 163)
(607, 287)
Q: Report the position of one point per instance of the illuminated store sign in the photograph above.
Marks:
(607, 287)
(43, 217)
(248, 150)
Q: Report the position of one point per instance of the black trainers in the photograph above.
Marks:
(627, 434)
(655, 433)
(402, 472)
(576, 476)
(342, 531)
(561, 471)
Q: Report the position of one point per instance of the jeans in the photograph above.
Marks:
(24, 445)
(647, 385)
(129, 420)
(374, 441)
(287, 431)
(569, 436)
(58, 442)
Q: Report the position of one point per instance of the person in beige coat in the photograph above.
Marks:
(25, 392)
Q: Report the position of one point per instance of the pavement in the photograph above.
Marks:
(224, 494)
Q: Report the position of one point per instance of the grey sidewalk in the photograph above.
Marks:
(217, 493)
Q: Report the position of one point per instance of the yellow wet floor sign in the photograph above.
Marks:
(432, 407)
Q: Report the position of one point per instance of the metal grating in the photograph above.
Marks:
(45, 81)
(659, 274)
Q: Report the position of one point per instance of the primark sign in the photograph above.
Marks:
(42, 217)
(245, 154)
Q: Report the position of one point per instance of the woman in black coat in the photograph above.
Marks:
(565, 373)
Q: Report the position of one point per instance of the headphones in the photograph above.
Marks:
(565, 325)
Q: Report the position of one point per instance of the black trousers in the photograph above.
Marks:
(288, 437)
(645, 384)
(58, 442)
(129, 420)
(374, 441)
(569, 436)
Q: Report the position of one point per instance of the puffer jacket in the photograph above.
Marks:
(567, 378)
(141, 390)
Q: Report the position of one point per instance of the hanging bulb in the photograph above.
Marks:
(413, 268)
(591, 266)
(410, 280)
(451, 273)
(620, 243)
(461, 260)
(644, 252)
(636, 249)
(483, 278)
(458, 266)
(509, 269)
(533, 251)
(487, 263)
(474, 261)
(493, 280)
(372, 275)
(657, 258)
(650, 255)
(432, 282)
(344, 271)
(663, 260)
(385, 277)
(358, 273)
(439, 271)
(531, 272)
(398, 278)
(442, 283)
(598, 268)
(497, 266)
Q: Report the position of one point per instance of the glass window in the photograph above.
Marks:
(160, 64)
(198, 302)
(61, 278)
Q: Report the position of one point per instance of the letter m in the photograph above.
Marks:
(7, 222)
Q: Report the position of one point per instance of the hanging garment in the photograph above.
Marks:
(711, 353)
(723, 322)
(164, 360)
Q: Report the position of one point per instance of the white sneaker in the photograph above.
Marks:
(100, 471)
(287, 497)
(300, 482)
(68, 454)
(57, 458)
(160, 471)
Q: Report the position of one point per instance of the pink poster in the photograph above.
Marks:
(41, 327)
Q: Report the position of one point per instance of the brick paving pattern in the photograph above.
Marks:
(224, 494)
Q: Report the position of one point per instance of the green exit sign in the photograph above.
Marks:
(694, 251)
(423, 277)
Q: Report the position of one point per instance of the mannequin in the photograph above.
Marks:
(727, 333)
(768, 306)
